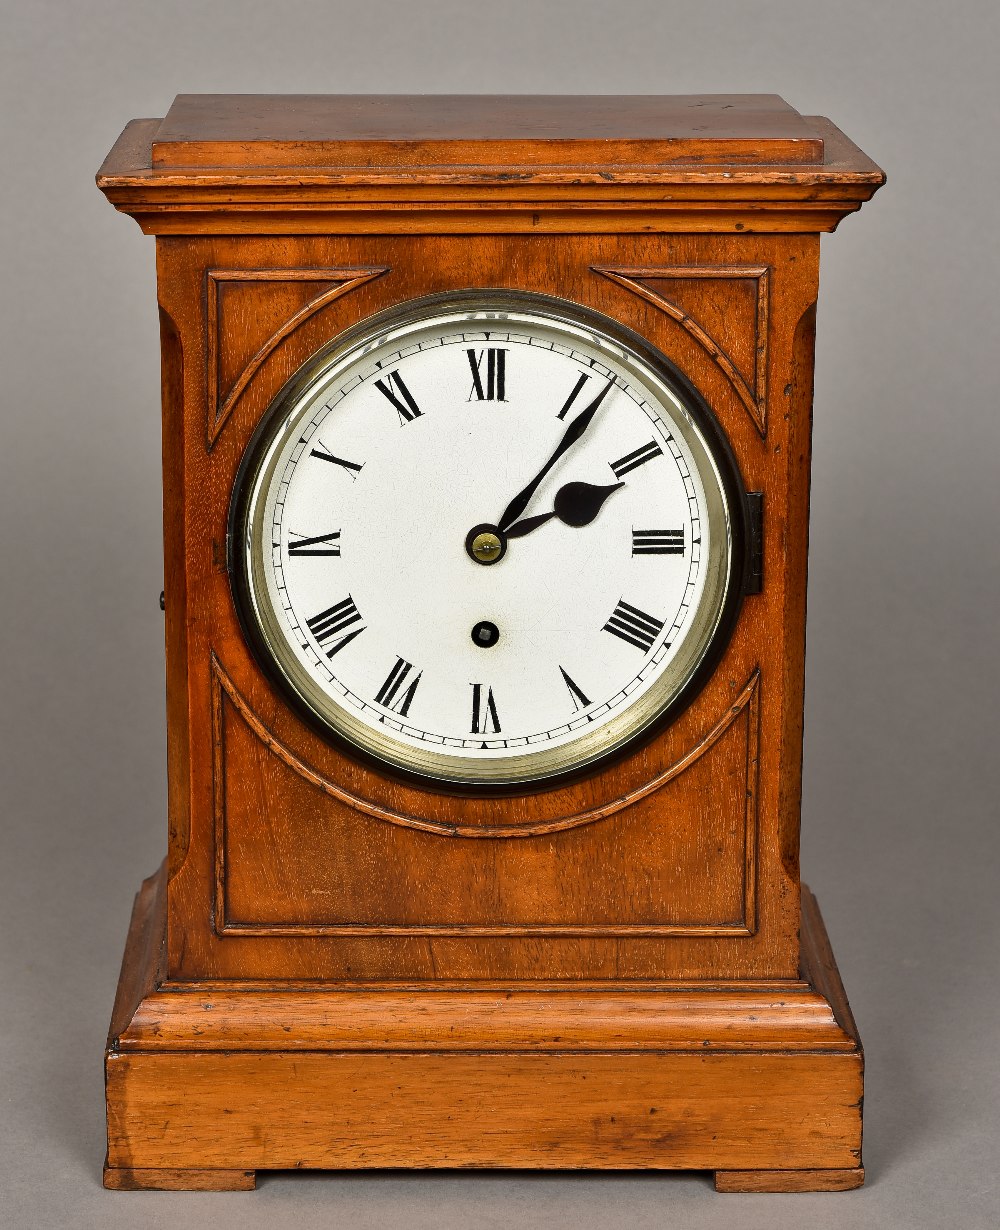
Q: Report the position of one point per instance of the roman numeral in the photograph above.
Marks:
(392, 688)
(329, 627)
(484, 712)
(580, 701)
(658, 542)
(351, 467)
(324, 544)
(488, 386)
(634, 626)
(585, 376)
(391, 386)
(638, 457)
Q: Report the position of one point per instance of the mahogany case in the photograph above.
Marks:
(337, 967)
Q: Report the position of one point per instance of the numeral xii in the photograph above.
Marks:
(489, 369)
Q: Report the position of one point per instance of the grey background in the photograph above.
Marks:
(900, 834)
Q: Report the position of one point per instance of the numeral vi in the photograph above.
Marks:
(484, 712)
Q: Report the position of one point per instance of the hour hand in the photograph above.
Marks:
(576, 504)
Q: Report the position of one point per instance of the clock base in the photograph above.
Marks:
(207, 1083)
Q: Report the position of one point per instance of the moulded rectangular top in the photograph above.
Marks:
(332, 132)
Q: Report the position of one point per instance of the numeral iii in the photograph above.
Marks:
(658, 542)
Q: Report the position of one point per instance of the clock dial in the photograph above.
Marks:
(485, 539)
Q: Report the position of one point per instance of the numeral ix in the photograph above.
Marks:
(324, 544)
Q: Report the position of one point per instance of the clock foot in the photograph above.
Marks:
(125, 1179)
(789, 1180)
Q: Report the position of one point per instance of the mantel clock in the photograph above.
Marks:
(486, 437)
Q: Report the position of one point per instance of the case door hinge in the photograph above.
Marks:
(754, 582)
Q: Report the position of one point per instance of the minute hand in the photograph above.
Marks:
(573, 433)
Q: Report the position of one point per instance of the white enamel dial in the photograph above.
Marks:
(483, 540)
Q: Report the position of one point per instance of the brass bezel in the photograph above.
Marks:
(703, 641)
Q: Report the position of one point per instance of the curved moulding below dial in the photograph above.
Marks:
(224, 690)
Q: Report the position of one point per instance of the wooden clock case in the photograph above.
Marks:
(339, 968)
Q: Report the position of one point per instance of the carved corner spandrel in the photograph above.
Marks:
(225, 689)
(240, 341)
(664, 287)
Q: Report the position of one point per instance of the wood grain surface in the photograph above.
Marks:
(359, 130)
(676, 861)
